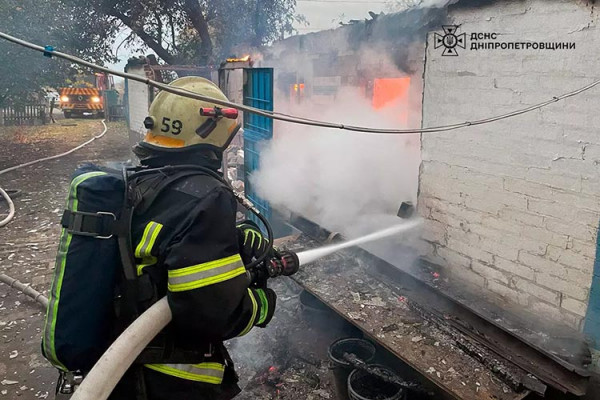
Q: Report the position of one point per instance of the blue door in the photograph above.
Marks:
(258, 93)
(592, 321)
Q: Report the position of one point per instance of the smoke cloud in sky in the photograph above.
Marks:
(433, 3)
(344, 181)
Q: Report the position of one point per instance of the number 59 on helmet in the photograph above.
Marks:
(182, 123)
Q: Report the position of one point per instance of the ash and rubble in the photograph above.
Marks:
(389, 317)
(288, 359)
(28, 244)
(556, 340)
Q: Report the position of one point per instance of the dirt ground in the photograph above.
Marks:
(285, 361)
(288, 359)
(28, 243)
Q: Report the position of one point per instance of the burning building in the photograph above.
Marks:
(382, 58)
(511, 208)
(503, 283)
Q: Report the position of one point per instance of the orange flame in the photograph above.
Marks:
(243, 59)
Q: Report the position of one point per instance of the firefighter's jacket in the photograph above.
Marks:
(187, 242)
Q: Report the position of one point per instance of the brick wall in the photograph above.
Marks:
(138, 105)
(513, 206)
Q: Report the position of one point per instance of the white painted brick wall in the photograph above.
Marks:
(513, 206)
(138, 106)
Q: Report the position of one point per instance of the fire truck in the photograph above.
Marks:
(86, 97)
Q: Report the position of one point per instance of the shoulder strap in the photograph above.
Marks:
(150, 189)
(142, 188)
(124, 237)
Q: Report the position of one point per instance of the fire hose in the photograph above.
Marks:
(11, 204)
(26, 289)
(104, 376)
(11, 208)
(112, 365)
(110, 368)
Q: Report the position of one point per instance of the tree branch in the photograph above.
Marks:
(146, 37)
(194, 12)
(121, 44)
(159, 27)
(172, 24)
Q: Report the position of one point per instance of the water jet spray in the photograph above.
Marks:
(309, 256)
(287, 263)
(107, 372)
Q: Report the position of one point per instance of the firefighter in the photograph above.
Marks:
(52, 104)
(188, 243)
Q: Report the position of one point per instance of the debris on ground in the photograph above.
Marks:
(28, 243)
(267, 368)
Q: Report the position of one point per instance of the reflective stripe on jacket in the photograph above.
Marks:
(207, 372)
(187, 242)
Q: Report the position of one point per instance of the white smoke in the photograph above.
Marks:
(434, 3)
(400, 5)
(347, 182)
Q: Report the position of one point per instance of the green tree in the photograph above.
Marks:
(178, 31)
(24, 73)
(192, 31)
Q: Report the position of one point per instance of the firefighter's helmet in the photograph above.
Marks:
(178, 122)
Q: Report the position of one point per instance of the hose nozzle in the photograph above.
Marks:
(289, 262)
(285, 263)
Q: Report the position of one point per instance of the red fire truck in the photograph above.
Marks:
(87, 97)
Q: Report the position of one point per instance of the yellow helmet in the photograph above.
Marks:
(177, 122)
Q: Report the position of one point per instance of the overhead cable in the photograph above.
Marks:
(49, 52)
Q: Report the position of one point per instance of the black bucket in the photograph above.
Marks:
(365, 386)
(363, 349)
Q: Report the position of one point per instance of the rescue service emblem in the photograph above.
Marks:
(450, 40)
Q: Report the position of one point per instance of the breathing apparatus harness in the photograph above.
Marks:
(270, 264)
(142, 186)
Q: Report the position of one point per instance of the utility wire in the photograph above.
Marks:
(49, 51)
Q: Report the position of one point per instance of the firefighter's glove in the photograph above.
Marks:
(267, 299)
(251, 241)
